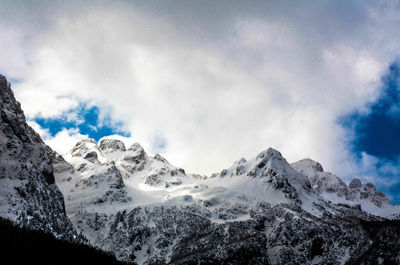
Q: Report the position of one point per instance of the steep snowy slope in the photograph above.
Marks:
(333, 189)
(260, 211)
(28, 194)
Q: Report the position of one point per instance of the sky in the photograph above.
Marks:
(206, 82)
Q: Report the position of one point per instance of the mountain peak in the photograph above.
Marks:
(135, 146)
(270, 152)
(355, 184)
(82, 147)
(3, 82)
(307, 166)
(111, 145)
(267, 176)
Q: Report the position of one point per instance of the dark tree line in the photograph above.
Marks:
(23, 246)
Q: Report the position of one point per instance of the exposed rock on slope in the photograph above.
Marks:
(28, 194)
(335, 190)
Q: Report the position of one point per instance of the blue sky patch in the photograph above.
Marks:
(87, 119)
(378, 131)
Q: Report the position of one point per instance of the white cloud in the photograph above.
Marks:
(63, 141)
(215, 87)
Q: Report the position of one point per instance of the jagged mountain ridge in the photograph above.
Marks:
(333, 189)
(159, 215)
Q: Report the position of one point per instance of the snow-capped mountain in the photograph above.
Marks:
(260, 211)
(28, 194)
(146, 211)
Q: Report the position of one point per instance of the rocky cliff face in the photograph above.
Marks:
(28, 194)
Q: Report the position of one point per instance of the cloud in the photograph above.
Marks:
(63, 141)
(214, 81)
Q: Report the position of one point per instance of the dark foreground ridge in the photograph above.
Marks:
(23, 246)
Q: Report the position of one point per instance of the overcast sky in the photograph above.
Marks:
(207, 82)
